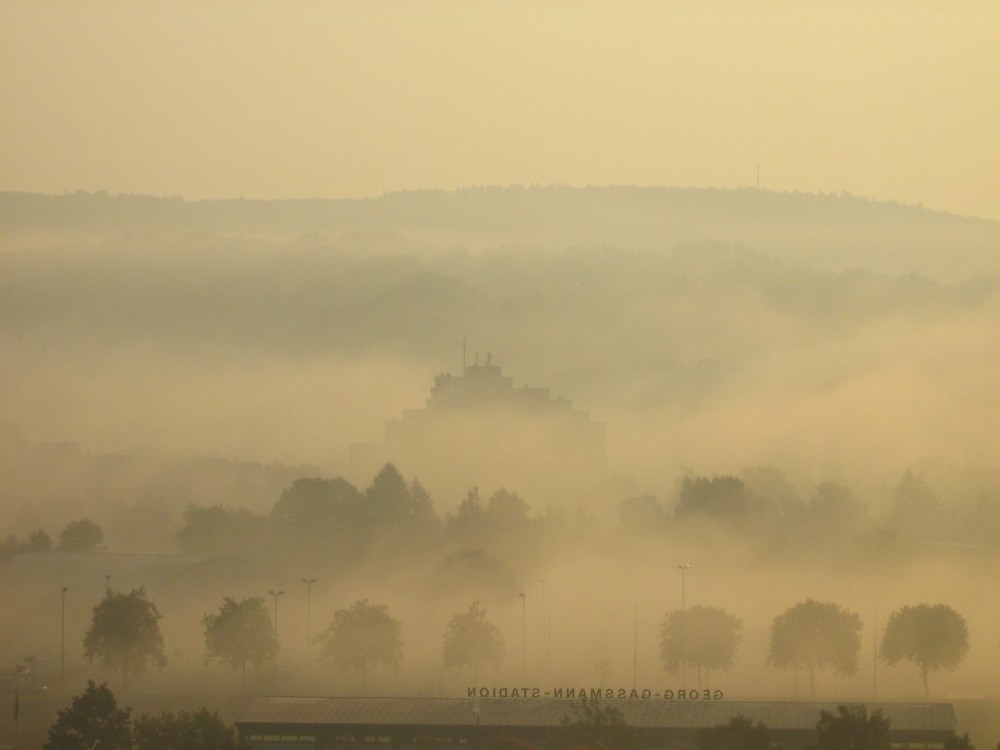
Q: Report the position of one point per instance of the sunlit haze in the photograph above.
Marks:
(554, 345)
(886, 99)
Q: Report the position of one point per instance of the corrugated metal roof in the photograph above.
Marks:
(541, 712)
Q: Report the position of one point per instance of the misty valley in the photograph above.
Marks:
(439, 445)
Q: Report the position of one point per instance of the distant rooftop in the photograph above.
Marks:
(482, 385)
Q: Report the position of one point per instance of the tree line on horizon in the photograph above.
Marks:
(487, 545)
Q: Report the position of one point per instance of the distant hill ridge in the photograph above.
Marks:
(85, 210)
(837, 231)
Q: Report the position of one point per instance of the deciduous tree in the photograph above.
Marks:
(815, 635)
(198, 730)
(240, 633)
(932, 637)
(92, 719)
(124, 633)
(700, 636)
(724, 499)
(739, 733)
(852, 728)
(472, 641)
(81, 536)
(594, 726)
(361, 636)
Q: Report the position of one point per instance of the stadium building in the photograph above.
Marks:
(341, 723)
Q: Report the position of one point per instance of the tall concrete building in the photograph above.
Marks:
(479, 429)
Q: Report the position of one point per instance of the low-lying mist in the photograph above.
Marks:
(789, 425)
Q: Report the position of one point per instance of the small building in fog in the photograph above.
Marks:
(342, 723)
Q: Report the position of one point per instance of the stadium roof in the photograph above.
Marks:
(543, 713)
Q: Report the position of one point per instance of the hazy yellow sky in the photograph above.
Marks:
(891, 99)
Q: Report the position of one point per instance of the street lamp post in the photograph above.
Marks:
(683, 568)
(546, 629)
(62, 635)
(524, 631)
(308, 582)
(275, 594)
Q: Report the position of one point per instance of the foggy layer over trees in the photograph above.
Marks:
(797, 406)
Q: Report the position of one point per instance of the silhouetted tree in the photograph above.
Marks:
(816, 634)
(472, 641)
(595, 726)
(124, 634)
(932, 637)
(421, 505)
(93, 719)
(963, 742)
(739, 733)
(506, 510)
(916, 510)
(360, 636)
(198, 730)
(467, 523)
(38, 541)
(216, 530)
(724, 499)
(312, 507)
(700, 636)
(240, 633)
(388, 498)
(852, 728)
(81, 536)
(316, 518)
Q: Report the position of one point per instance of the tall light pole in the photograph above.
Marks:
(524, 631)
(635, 645)
(275, 594)
(62, 636)
(546, 629)
(683, 568)
(308, 582)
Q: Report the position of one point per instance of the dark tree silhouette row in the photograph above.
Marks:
(124, 635)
